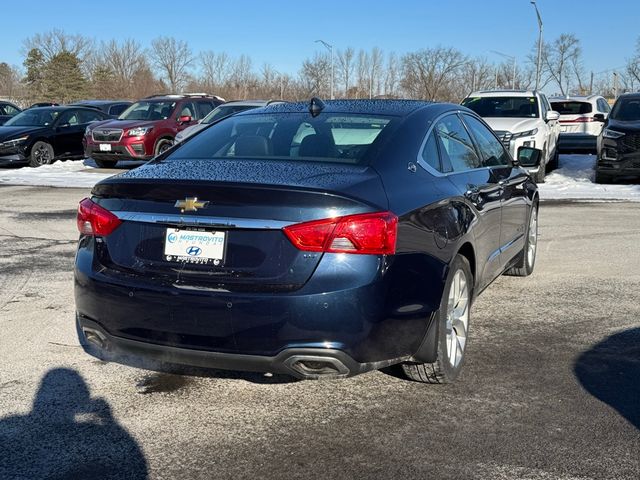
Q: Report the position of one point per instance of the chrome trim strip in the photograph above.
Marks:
(197, 220)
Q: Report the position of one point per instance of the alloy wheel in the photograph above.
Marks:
(457, 318)
(533, 237)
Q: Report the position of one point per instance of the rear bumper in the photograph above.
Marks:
(303, 363)
(346, 306)
(577, 141)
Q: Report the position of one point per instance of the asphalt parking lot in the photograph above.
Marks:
(551, 388)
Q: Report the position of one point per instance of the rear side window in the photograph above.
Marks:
(117, 109)
(572, 107)
(456, 148)
(88, 116)
(603, 106)
(430, 153)
(492, 152)
(204, 108)
(340, 138)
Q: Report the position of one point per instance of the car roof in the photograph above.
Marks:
(503, 93)
(633, 95)
(62, 108)
(363, 106)
(251, 103)
(98, 102)
(575, 98)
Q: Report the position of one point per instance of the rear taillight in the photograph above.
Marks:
(579, 120)
(367, 233)
(95, 220)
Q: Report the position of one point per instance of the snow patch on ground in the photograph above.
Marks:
(574, 180)
(68, 173)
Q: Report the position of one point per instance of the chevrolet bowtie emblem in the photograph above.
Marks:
(191, 204)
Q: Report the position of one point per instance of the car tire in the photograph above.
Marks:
(554, 162)
(41, 154)
(527, 262)
(602, 178)
(105, 163)
(453, 328)
(163, 145)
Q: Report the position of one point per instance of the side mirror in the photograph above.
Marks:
(529, 157)
(552, 116)
(184, 119)
(599, 117)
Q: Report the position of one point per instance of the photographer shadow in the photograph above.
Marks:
(610, 371)
(68, 435)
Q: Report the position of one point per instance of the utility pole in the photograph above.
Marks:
(615, 85)
(539, 62)
(330, 48)
(591, 84)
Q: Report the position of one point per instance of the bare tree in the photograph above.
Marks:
(429, 73)
(560, 58)
(632, 68)
(242, 79)
(57, 41)
(9, 81)
(345, 66)
(172, 58)
(375, 67)
(362, 72)
(215, 70)
(315, 76)
(391, 75)
(121, 61)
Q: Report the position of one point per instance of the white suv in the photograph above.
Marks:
(520, 118)
(581, 121)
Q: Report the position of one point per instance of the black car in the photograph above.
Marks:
(113, 108)
(44, 104)
(8, 110)
(619, 141)
(316, 240)
(40, 135)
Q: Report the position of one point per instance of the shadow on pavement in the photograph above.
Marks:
(610, 371)
(68, 435)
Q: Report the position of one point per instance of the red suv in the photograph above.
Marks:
(145, 129)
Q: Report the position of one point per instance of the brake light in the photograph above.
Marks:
(94, 220)
(579, 120)
(367, 233)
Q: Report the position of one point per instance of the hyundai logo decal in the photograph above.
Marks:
(194, 251)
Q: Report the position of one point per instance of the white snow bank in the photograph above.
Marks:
(68, 173)
(574, 180)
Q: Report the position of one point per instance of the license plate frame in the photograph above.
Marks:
(105, 147)
(195, 246)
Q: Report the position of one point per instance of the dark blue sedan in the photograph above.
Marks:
(312, 239)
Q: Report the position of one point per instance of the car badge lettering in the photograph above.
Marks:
(191, 204)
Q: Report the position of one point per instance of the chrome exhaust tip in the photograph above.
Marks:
(96, 338)
(316, 367)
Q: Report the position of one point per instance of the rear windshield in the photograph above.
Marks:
(572, 107)
(625, 110)
(148, 111)
(508, 107)
(340, 138)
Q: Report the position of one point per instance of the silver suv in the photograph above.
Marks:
(521, 118)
